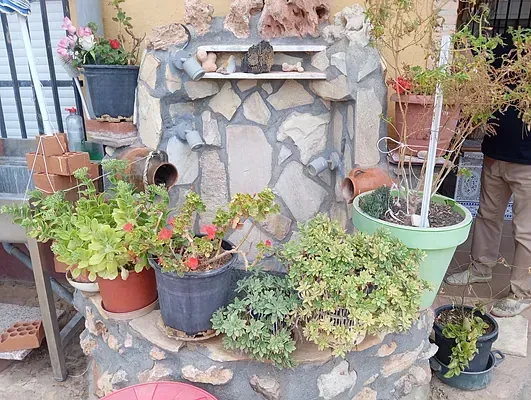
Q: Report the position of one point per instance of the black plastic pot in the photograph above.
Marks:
(112, 89)
(484, 343)
(468, 380)
(187, 302)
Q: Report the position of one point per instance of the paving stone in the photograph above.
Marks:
(185, 160)
(291, 94)
(159, 372)
(513, 336)
(337, 131)
(277, 225)
(268, 387)
(366, 394)
(400, 362)
(157, 354)
(268, 88)
(181, 109)
(302, 195)
(148, 70)
(350, 121)
(213, 375)
(367, 128)
(246, 84)
(173, 82)
(337, 381)
(387, 349)
(250, 156)
(149, 118)
(214, 190)
(284, 154)
(309, 132)
(147, 327)
(226, 102)
(320, 61)
(256, 110)
(201, 89)
(339, 61)
(211, 134)
(334, 90)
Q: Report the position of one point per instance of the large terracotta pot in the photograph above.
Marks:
(361, 180)
(135, 293)
(419, 115)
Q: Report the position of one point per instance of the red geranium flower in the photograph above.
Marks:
(209, 231)
(128, 227)
(268, 243)
(401, 85)
(165, 234)
(115, 44)
(192, 263)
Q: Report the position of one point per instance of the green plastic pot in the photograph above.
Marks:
(438, 243)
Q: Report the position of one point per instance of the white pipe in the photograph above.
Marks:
(434, 137)
(48, 130)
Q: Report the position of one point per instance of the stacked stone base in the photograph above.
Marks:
(394, 366)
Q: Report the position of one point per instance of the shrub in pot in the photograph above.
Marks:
(260, 320)
(351, 285)
(194, 270)
(464, 336)
(108, 65)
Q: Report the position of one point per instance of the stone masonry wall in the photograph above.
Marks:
(264, 133)
(389, 367)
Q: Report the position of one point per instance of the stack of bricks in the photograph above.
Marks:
(53, 166)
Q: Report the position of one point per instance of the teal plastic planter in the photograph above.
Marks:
(438, 243)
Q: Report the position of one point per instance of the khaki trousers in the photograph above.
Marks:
(499, 180)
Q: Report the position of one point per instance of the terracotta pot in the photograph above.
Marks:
(60, 266)
(419, 115)
(138, 291)
(361, 180)
(155, 170)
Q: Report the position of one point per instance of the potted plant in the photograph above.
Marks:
(461, 81)
(351, 285)
(464, 336)
(260, 320)
(194, 270)
(109, 65)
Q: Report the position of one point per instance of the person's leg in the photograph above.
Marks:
(519, 178)
(495, 195)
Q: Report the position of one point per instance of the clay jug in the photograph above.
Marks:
(361, 180)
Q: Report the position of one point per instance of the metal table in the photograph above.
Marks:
(56, 339)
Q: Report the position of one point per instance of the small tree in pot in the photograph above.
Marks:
(194, 270)
(109, 65)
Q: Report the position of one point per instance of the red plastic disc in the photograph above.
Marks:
(161, 391)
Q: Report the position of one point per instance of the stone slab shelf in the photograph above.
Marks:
(277, 48)
(275, 75)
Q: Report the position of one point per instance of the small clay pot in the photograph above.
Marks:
(363, 180)
(135, 293)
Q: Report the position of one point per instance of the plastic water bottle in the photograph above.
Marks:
(74, 130)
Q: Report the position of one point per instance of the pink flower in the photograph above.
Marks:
(209, 231)
(192, 263)
(268, 243)
(68, 26)
(128, 227)
(64, 43)
(165, 234)
(81, 32)
(62, 52)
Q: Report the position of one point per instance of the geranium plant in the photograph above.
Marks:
(259, 321)
(81, 46)
(351, 285)
(178, 248)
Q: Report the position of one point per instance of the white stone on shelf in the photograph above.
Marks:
(291, 94)
(250, 156)
(301, 194)
(308, 132)
(256, 110)
(226, 102)
(274, 75)
(277, 48)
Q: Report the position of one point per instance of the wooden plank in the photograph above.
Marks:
(276, 75)
(277, 48)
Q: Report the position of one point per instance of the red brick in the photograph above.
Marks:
(50, 183)
(52, 145)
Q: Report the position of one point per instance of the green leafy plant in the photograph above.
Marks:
(376, 203)
(177, 247)
(259, 321)
(465, 332)
(351, 285)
